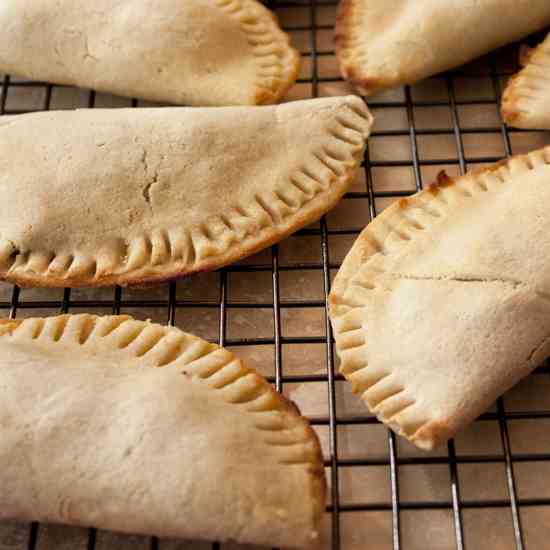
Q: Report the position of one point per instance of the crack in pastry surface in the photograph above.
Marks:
(151, 177)
(515, 283)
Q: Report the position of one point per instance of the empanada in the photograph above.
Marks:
(192, 52)
(387, 43)
(135, 427)
(131, 196)
(443, 303)
(526, 99)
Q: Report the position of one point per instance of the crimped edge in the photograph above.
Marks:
(390, 231)
(529, 87)
(257, 21)
(348, 54)
(225, 374)
(318, 198)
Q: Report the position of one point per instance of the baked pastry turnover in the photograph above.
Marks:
(526, 99)
(193, 52)
(102, 197)
(443, 303)
(136, 427)
(386, 43)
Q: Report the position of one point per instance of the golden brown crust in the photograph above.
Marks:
(432, 434)
(509, 109)
(8, 325)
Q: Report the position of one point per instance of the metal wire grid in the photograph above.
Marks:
(332, 421)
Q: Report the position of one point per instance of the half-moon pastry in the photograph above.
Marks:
(386, 43)
(443, 302)
(136, 427)
(526, 99)
(102, 197)
(192, 52)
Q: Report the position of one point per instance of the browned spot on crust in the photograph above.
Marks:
(442, 180)
(525, 54)
(353, 72)
(509, 104)
(9, 325)
(496, 166)
(509, 113)
(354, 75)
(403, 203)
(294, 406)
(432, 434)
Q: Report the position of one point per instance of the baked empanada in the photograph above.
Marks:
(136, 427)
(443, 303)
(386, 43)
(526, 99)
(192, 52)
(131, 196)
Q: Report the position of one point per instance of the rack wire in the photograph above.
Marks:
(399, 519)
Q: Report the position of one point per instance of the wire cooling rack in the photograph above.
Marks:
(489, 488)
